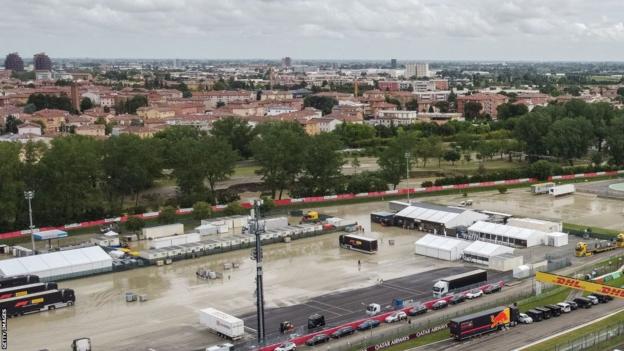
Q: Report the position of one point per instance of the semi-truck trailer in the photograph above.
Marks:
(560, 190)
(358, 243)
(37, 302)
(16, 280)
(458, 281)
(26, 289)
(483, 322)
(222, 323)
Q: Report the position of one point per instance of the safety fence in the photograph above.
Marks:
(594, 340)
(323, 199)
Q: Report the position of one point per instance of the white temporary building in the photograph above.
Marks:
(506, 234)
(557, 239)
(481, 252)
(436, 219)
(441, 247)
(60, 265)
(536, 224)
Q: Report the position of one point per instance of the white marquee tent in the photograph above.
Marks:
(59, 265)
(441, 247)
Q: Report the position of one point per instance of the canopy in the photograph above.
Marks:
(50, 234)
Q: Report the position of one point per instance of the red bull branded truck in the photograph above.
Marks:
(483, 322)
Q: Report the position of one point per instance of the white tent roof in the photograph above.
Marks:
(426, 214)
(483, 249)
(504, 230)
(442, 242)
(53, 263)
(111, 233)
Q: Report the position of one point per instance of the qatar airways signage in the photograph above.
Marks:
(400, 340)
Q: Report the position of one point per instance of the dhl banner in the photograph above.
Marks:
(579, 284)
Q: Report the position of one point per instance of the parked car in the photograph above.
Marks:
(369, 324)
(603, 298)
(317, 339)
(287, 346)
(535, 315)
(573, 305)
(594, 300)
(583, 302)
(565, 307)
(396, 316)
(416, 310)
(438, 305)
(344, 331)
(492, 288)
(457, 298)
(524, 318)
(474, 293)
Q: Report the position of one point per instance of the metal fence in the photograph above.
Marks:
(594, 340)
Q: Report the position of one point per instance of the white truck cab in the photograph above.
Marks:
(220, 347)
(373, 309)
(440, 288)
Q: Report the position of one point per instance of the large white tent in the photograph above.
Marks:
(481, 252)
(59, 265)
(441, 247)
(506, 234)
(435, 218)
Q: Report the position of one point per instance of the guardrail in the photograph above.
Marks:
(328, 198)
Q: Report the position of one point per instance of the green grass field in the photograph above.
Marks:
(553, 296)
(425, 340)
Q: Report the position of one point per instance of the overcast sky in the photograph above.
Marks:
(317, 29)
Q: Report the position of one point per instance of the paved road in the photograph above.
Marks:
(525, 334)
(339, 308)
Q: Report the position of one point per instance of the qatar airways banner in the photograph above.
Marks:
(402, 339)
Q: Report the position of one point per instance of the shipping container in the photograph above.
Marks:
(222, 323)
(561, 190)
(163, 231)
(358, 243)
(542, 188)
(483, 322)
(37, 302)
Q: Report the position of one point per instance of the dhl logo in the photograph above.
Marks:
(580, 284)
(501, 318)
(573, 283)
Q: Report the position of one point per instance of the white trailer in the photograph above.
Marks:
(560, 190)
(222, 323)
(163, 231)
(174, 240)
(541, 188)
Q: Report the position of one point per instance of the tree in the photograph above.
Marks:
(42, 101)
(427, 148)
(443, 106)
(169, 138)
(85, 104)
(68, 175)
(392, 161)
(11, 123)
(596, 158)
(134, 224)
(615, 142)
(279, 149)
(569, 138)
(466, 140)
(234, 209)
(351, 134)
(237, 132)
(532, 129)
(30, 108)
(508, 110)
(202, 210)
(472, 110)
(541, 169)
(323, 103)
(130, 165)
(11, 185)
(412, 105)
(452, 156)
(394, 101)
(167, 215)
(322, 165)
(487, 149)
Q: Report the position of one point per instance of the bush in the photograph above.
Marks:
(234, 208)
(167, 215)
(267, 205)
(426, 184)
(502, 190)
(137, 210)
(134, 224)
(202, 210)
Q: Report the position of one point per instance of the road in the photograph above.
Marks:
(347, 306)
(525, 334)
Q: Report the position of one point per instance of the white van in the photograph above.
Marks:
(373, 309)
(565, 307)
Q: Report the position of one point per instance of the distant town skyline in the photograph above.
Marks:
(480, 30)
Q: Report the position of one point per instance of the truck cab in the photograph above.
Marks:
(440, 289)
(81, 344)
(220, 347)
(373, 309)
(316, 320)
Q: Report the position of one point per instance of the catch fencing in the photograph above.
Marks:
(594, 340)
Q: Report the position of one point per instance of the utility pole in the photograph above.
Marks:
(29, 195)
(256, 229)
(407, 158)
